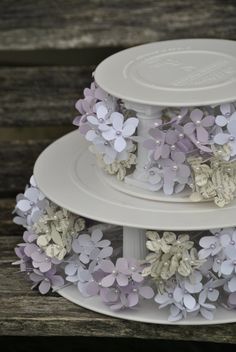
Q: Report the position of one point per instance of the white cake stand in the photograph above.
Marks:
(147, 78)
(66, 172)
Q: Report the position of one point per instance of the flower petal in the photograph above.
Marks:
(44, 287)
(146, 292)
(108, 280)
(189, 301)
(122, 280)
(117, 120)
(120, 144)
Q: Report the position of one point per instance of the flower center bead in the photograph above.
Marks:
(218, 261)
(198, 122)
(158, 142)
(133, 268)
(47, 280)
(175, 167)
(181, 135)
(231, 138)
(179, 117)
(170, 295)
(135, 290)
(118, 133)
(114, 272)
(212, 246)
(101, 120)
(232, 242)
(198, 142)
(210, 289)
(173, 147)
(234, 262)
(227, 114)
(106, 143)
(156, 124)
(31, 203)
(151, 173)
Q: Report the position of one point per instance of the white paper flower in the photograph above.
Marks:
(120, 130)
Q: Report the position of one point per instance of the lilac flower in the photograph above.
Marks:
(199, 124)
(229, 265)
(211, 246)
(227, 112)
(175, 170)
(85, 245)
(205, 309)
(39, 259)
(209, 290)
(25, 262)
(155, 178)
(183, 293)
(107, 150)
(120, 130)
(117, 273)
(101, 118)
(232, 300)
(46, 280)
(156, 144)
(30, 205)
(228, 138)
(86, 105)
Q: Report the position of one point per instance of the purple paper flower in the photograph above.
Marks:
(156, 144)
(209, 290)
(30, 205)
(92, 247)
(46, 280)
(232, 300)
(199, 124)
(39, 259)
(228, 138)
(120, 130)
(227, 112)
(211, 246)
(229, 265)
(117, 273)
(175, 170)
(155, 178)
(101, 119)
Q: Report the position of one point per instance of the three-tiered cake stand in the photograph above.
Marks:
(147, 77)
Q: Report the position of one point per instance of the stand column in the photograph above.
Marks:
(134, 243)
(147, 116)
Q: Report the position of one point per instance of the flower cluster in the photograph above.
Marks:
(104, 123)
(179, 138)
(90, 267)
(189, 273)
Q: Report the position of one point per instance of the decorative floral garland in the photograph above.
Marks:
(59, 248)
(188, 147)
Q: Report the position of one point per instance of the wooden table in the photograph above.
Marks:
(48, 51)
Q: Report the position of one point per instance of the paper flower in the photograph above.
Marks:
(56, 230)
(92, 247)
(39, 259)
(175, 171)
(30, 205)
(199, 124)
(120, 130)
(211, 246)
(45, 281)
(156, 144)
(228, 137)
(227, 112)
(116, 273)
(155, 178)
(101, 118)
(229, 265)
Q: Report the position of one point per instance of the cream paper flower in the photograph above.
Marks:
(56, 229)
(170, 255)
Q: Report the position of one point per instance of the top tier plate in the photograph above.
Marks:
(188, 72)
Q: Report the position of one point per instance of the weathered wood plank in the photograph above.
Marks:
(96, 23)
(40, 96)
(17, 160)
(6, 226)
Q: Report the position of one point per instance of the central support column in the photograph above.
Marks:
(134, 243)
(147, 116)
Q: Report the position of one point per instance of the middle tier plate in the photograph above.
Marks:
(66, 173)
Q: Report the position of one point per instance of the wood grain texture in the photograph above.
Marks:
(63, 24)
(40, 96)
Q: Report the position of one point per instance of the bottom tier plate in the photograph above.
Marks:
(148, 312)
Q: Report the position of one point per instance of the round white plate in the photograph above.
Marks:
(148, 311)
(66, 173)
(186, 72)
